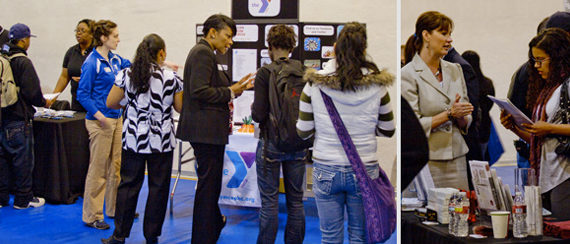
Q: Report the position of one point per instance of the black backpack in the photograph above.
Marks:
(285, 87)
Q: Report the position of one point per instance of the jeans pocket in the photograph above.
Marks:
(373, 172)
(15, 135)
(322, 181)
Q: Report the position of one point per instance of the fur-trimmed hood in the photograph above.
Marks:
(326, 77)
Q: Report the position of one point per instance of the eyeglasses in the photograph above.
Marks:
(539, 61)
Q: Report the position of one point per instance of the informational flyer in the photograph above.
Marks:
(246, 33)
(244, 61)
(481, 173)
(318, 30)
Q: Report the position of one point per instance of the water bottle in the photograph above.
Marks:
(519, 216)
(462, 213)
(451, 211)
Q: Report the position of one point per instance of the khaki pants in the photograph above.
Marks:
(103, 176)
(449, 173)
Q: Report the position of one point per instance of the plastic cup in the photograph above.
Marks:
(500, 222)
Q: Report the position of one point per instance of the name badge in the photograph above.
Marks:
(222, 67)
(107, 69)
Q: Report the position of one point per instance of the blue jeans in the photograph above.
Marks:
(269, 160)
(335, 188)
(16, 162)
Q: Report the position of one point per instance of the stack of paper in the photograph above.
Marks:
(438, 201)
(533, 202)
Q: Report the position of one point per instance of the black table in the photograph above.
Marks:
(413, 231)
(61, 151)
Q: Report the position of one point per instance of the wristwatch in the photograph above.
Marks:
(449, 116)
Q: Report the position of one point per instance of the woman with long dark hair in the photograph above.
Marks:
(103, 124)
(359, 91)
(485, 88)
(549, 55)
(73, 60)
(149, 92)
(436, 91)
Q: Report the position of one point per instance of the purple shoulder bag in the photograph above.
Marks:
(377, 195)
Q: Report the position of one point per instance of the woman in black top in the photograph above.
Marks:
(73, 61)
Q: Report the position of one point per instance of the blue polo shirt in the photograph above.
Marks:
(97, 79)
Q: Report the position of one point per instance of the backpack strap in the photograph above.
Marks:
(16, 55)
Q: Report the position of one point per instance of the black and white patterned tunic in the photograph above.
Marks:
(148, 125)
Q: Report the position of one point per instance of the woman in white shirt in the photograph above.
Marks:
(549, 55)
(149, 92)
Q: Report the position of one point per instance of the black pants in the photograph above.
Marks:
(132, 176)
(207, 218)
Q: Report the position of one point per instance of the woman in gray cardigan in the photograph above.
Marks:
(437, 93)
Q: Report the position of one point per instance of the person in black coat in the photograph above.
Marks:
(16, 134)
(415, 152)
(472, 83)
(204, 121)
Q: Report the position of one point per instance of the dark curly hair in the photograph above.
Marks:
(102, 28)
(145, 62)
(556, 43)
(282, 37)
(350, 55)
(428, 21)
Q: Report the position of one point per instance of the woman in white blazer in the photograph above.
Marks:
(437, 93)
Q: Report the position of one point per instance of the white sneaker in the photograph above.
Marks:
(36, 202)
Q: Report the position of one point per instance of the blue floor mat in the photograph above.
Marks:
(62, 223)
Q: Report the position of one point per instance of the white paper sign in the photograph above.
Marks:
(295, 29)
(246, 33)
(239, 176)
(244, 61)
(318, 30)
(264, 53)
(327, 52)
(199, 30)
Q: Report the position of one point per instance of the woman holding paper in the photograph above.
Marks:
(205, 120)
(436, 91)
(549, 55)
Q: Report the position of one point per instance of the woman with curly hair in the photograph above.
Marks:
(549, 55)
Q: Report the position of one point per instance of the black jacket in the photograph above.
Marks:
(415, 151)
(205, 115)
(519, 88)
(472, 82)
(30, 94)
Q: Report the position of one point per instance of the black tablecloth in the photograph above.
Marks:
(61, 150)
(414, 232)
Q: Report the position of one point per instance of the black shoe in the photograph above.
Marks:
(98, 224)
(112, 240)
(152, 240)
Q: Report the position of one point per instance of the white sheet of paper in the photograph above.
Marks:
(518, 115)
(51, 96)
(244, 61)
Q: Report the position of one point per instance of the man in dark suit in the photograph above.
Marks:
(204, 122)
(472, 82)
